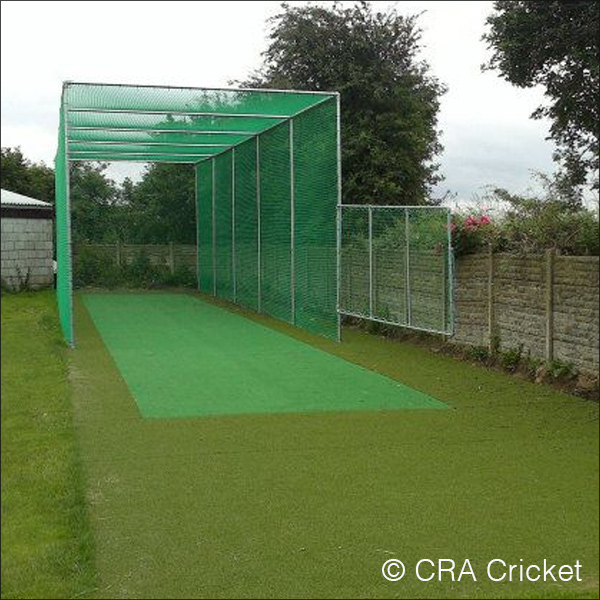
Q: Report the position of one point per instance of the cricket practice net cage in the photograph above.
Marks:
(267, 185)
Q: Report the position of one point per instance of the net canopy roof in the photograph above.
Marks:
(109, 122)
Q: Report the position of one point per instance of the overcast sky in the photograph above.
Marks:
(488, 136)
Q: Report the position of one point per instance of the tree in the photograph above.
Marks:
(161, 207)
(25, 177)
(93, 198)
(554, 44)
(389, 99)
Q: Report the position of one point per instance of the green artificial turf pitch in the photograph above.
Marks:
(183, 357)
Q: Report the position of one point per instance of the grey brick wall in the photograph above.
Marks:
(27, 248)
(551, 310)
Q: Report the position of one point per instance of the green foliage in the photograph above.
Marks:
(472, 232)
(182, 276)
(93, 200)
(561, 370)
(23, 176)
(389, 98)
(510, 359)
(532, 365)
(555, 45)
(478, 354)
(530, 223)
(533, 224)
(160, 208)
(93, 267)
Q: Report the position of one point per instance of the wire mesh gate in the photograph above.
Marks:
(396, 266)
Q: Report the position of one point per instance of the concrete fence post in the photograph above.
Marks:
(490, 308)
(172, 257)
(118, 253)
(549, 267)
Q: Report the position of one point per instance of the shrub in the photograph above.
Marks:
(560, 370)
(478, 354)
(183, 276)
(91, 267)
(511, 358)
(471, 232)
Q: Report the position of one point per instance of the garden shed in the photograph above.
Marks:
(27, 247)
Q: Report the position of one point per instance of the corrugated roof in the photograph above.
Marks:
(14, 199)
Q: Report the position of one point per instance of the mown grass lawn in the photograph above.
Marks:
(46, 544)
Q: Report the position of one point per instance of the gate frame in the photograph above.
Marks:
(449, 279)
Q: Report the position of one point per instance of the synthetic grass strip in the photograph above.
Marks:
(183, 357)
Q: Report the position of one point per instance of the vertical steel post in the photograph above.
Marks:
(407, 286)
(233, 260)
(214, 231)
(292, 226)
(338, 245)
(68, 216)
(196, 208)
(258, 233)
(370, 210)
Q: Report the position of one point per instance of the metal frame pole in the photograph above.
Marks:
(68, 220)
(197, 211)
(370, 212)
(214, 231)
(258, 228)
(450, 271)
(292, 226)
(338, 244)
(233, 259)
(408, 300)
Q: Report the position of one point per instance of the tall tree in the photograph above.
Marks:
(389, 98)
(93, 199)
(20, 175)
(161, 206)
(556, 45)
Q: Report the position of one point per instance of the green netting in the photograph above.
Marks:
(246, 224)
(275, 222)
(224, 140)
(166, 123)
(285, 180)
(266, 205)
(135, 157)
(396, 266)
(224, 226)
(138, 98)
(76, 148)
(63, 237)
(315, 195)
(204, 223)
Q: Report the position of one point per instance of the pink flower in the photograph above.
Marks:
(471, 222)
(485, 220)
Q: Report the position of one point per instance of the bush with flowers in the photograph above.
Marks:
(472, 232)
